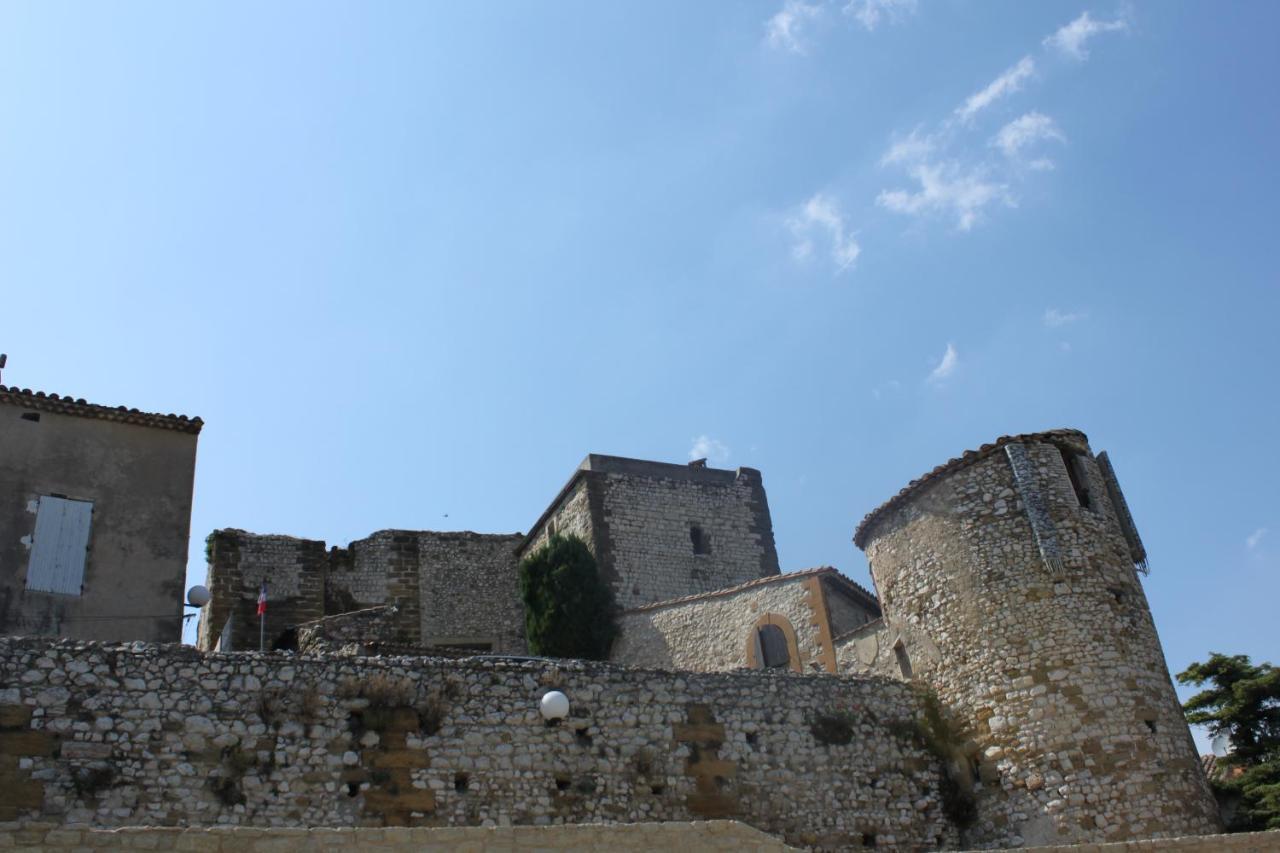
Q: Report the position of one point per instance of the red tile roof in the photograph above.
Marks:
(40, 401)
(963, 461)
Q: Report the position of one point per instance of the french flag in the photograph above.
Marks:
(262, 600)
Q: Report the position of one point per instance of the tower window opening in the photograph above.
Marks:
(771, 647)
(701, 542)
(1151, 725)
(1075, 473)
(904, 660)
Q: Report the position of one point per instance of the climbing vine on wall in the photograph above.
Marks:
(569, 611)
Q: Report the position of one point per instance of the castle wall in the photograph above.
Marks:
(716, 632)
(638, 518)
(165, 735)
(470, 591)
(1023, 610)
(446, 587)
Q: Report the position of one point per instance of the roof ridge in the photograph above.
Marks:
(954, 464)
(79, 407)
(754, 582)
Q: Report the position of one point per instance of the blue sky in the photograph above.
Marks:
(410, 260)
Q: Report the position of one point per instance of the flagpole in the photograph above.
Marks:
(262, 618)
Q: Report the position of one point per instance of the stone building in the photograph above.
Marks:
(95, 511)
(1010, 580)
(448, 590)
(660, 531)
(789, 621)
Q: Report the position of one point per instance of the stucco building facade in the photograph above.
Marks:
(95, 513)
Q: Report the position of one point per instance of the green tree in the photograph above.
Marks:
(1243, 703)
(569, 611)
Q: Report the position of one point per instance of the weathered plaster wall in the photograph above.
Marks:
(716, 632)
(140, 480)
(1044, 647)
(145, 735)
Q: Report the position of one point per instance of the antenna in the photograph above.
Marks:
(1221, 745)
(4, 359)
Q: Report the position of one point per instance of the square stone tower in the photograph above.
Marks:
(660, 531)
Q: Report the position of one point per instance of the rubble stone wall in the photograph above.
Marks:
(716, 633)
(1023, 610)
(106, 736)
(446, 587)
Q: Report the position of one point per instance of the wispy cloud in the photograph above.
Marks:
(946, 367)
(706, 447)
(1252, 540)
(892, 386)
(1004, 85)
(1026, 130)
(1071, 39)
(1053, 318)
(909, 149)
(949, 189)
(820, 217)
(785, 30)
(870, 13)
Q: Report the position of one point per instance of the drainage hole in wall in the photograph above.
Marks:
(753, 740)
(657, 790)
(584, 739)
(31, 416)
(353, 788)
(562, 783)
(460, 782)
(868, 839)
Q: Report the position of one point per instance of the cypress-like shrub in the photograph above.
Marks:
(569, 611)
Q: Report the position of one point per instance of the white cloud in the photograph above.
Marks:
(705, 447)
(912, 148)
(1070, 39)
(1053, 318)
(785, 30)
(820, 215)
(946, 188)
(1025, 130)
(1255, 537)
(945, 367)
(870, 13)
(1006, 84)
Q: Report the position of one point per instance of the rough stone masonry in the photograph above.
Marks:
(102, 735)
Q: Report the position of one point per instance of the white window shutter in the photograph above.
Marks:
(58, 549)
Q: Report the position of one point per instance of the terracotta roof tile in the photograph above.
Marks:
(964, 460)
(62, 405)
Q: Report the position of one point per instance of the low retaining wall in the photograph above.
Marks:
(143, 735)
(720, 836)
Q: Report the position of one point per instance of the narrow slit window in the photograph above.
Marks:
(904, 660)
(1075, 473)
(701, 542)
(58, 548)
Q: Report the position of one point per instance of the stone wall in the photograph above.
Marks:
(638, 518)
(715, 632)
(446, 587)
(715, 836)
(168, 736)
(1022, 608)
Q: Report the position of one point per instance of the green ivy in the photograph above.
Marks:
(569, 611)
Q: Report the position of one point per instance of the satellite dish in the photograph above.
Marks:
(1221, 745)
(198, 596)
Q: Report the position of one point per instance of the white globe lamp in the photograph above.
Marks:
(554, 706)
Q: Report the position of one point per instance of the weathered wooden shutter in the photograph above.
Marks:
(59, 545)
(773, 647)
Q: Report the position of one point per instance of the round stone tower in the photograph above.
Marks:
(1009, 581)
